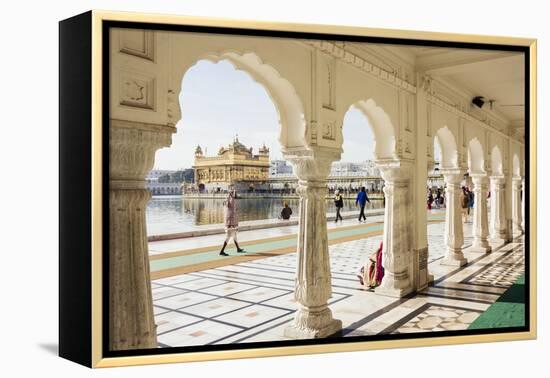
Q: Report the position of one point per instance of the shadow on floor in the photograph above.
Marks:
(50, 347)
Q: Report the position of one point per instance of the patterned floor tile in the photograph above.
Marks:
(171, 320)
(439, 318)
(183, 300)
(252, 316)
(215, 307)
(201, 333)
(252, 300)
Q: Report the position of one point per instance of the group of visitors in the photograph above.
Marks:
(435, 198)
(370, 274)
(361, 201)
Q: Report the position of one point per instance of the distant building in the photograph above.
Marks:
(155, 174)
(342, 168)
(235, 164)
(167, 188)
(370, 169)
(280, 168)
(435, 178)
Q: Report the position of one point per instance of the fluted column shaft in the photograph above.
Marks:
(132, 152)
(517, 218)
(498, 232)
(454, 234)
(396, 251)
(313, 281)
(481, 223)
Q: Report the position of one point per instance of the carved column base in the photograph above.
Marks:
(310, 323)
(518, 232)
(480, 246)
(422, 276)
(454, 257)
(497, 242)
(393, 285)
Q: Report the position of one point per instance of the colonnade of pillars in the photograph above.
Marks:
(133, 147)
(487, 233)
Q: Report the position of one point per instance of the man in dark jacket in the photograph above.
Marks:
(362, 200)
(339, 203)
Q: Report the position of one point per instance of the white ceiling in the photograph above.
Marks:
(495, 75)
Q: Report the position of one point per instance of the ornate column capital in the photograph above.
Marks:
(517, 181)
(481, 181)
(497, 182)
(395, 171)
(452, 177)
(311, 164)
(132, 149)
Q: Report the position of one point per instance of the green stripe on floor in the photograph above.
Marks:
(260, 246)
(507, 311)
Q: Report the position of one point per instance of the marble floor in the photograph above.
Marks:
(253, 301)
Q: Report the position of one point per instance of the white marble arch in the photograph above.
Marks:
(496, 161)
(476, 157)
(292, 122)
(381, 126)
(516, 166)
(448, 147)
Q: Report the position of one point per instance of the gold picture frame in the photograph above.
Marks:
(83, 248)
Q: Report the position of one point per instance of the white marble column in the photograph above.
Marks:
(498, 231)
(454, 234)
(132, 152)
(517, 217)
(397, 241)
(313, 287)
(481, 224)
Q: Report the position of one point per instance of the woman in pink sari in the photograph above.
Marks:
(372, 272)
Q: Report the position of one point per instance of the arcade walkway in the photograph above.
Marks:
(248, 298)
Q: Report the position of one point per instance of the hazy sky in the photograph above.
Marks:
(218, 101)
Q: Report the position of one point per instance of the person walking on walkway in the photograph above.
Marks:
(339, 203)
(231, 220)
(438, 199)
(362, 200)
(430, 199)
(464, 204)
(470, 204)
(286, 212)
